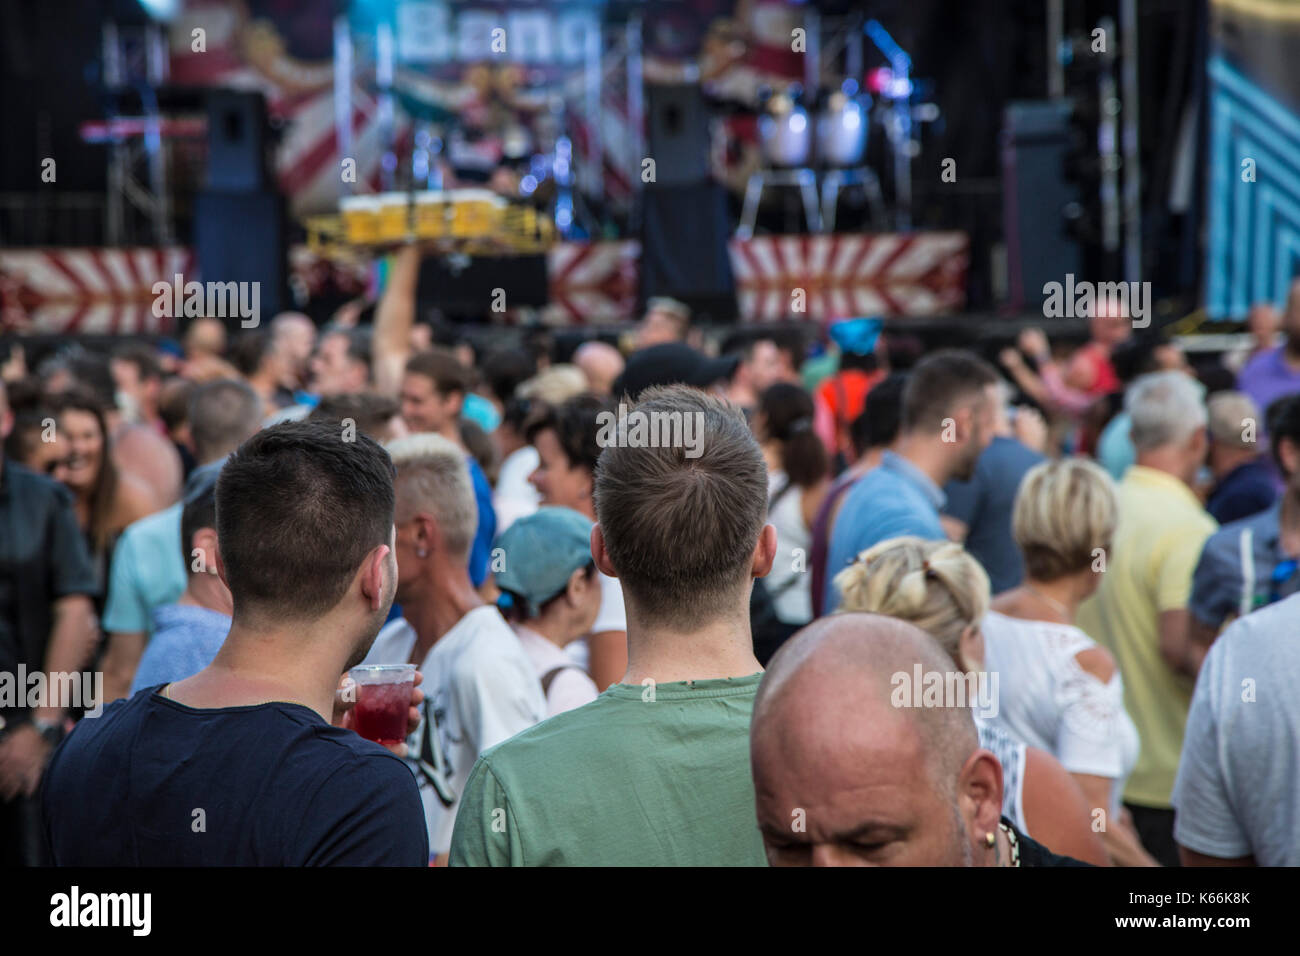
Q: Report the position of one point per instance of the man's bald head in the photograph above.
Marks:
(841, 774)
(205, 336)
(601, 363)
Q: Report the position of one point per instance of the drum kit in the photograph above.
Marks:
(801, 135)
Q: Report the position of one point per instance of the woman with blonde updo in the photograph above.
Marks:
(1061, 689)
(940, 588)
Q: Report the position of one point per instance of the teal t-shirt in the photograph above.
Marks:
(642, 776)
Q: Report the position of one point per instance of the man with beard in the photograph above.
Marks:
(240, 764)
(950, 405)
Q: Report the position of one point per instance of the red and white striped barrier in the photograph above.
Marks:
(87, 291)
(888, 274)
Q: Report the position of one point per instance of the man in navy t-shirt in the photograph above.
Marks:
(241, 764)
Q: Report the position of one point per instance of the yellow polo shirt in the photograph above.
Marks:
(1162, 528)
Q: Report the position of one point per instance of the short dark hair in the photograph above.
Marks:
(200, 511)
(371, 411)
(576, 424)
(360, 341)
(881, 416)
(144, 358)
(940, 384)
(298, 510)
(1282, 420)
(441, 367)
(681, 531)
(222, 414)
(174, 402)
(505, 369)
(92, 373)
(249, 351)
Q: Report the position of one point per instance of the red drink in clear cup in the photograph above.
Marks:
(383, 703)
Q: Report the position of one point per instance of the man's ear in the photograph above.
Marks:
(764, 552)
(428, 535)
(372, 576)
(963, 424)
(205, 540)
(574, 586)
(599, 554)
(979, 797)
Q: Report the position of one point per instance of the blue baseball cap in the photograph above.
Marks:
(541, 553)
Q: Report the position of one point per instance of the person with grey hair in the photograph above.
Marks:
(479, 682)
(1139, 612)
(1243, 482)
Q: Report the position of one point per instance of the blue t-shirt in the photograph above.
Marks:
(148, 571)
(487, 525)
(1246, 490)
(185, 640)
(152, 782)
(895, 498)
(984, 504)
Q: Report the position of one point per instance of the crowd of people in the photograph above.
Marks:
(634, 653)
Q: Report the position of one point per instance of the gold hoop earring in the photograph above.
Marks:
(990, 839)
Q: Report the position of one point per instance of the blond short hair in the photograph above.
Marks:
(935, 585)
(1064, 513)
(433, 477)
(554, 385)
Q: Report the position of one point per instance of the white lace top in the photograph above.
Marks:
(1048, 700)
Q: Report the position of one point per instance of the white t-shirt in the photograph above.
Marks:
(514, 497)
(481, 688)
(1049, 701)
(570, 687)
(612, 617)
(789, 584)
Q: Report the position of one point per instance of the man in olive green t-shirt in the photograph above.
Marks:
(654, 772)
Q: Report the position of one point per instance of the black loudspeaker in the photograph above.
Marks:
(468, 291)
(678, 133)
(239, 141)
(242, 237)
(684, 233)
(1035, 199)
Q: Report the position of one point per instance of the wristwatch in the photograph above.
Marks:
(52, 731)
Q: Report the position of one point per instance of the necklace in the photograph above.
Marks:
(1015, 843)
(1060, 608)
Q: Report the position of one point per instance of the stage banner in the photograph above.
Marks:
(106, 291)
(821, 278)
(486, 79)
(1254, 154)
